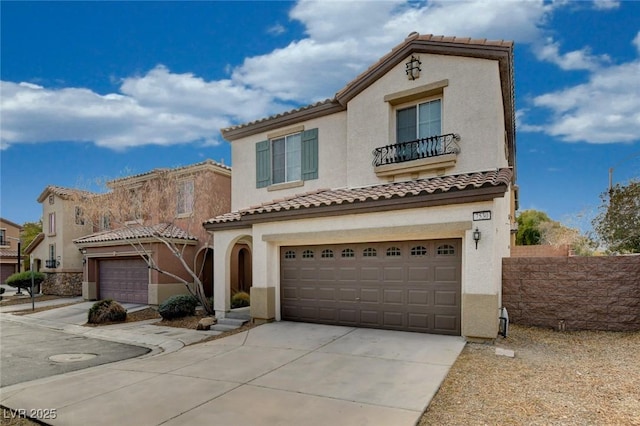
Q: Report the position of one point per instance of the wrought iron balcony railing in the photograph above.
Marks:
(51, 263)
(414, 150)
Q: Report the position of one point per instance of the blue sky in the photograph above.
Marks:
(106, 89)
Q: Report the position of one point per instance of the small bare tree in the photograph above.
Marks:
(167, 206)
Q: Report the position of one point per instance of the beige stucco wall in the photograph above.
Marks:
(332, 163)
(472, 108)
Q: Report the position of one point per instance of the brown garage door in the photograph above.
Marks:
(409, 285)
(124, 280)
(6, 270)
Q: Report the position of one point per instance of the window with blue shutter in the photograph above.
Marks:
(287, 159)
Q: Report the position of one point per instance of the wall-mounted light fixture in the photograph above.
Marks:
(413, 68)
(476, 236)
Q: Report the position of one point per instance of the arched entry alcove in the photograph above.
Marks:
(205, 272)
(240, 268)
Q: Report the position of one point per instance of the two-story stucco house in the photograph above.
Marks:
(53, 251)
(138, 216)
(388, 206)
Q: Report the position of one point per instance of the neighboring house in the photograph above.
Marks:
(9, 247)
(53, 251)
(388, 206)
(171, 203)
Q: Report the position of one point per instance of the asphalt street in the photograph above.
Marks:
(29, 353)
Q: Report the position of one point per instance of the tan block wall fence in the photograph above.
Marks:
(539, 251)
(585, 293)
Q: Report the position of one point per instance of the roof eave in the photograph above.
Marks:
(282, 120)
(454, 196)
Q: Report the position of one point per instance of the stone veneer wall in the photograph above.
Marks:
(62, 284)
(574, 293)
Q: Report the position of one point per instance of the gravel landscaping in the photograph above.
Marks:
(555, 378)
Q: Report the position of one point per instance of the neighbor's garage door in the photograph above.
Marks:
(6, 270)
(124, 280)
(410, 285)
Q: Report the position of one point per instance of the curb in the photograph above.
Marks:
(157, 345)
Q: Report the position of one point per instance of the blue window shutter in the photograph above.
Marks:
(310, 154)
(263, 164)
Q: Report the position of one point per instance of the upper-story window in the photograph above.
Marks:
(419, 121)
(135, 204)
(105, 222)
(287, 158)
(52, 223)
(185, 197)
(3, 237)
(79, 216)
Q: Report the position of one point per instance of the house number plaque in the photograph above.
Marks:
(483, 215)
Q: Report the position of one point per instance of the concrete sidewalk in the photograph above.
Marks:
(280, 373)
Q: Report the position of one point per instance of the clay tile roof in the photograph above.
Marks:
(327, 197)
(62, 192)
(9, 253)
(164, 230)
(179, 169)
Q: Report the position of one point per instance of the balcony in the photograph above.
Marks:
(432, 153)
(51, 263)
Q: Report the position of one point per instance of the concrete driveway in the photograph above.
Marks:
(281, 373)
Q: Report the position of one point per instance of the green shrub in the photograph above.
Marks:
(178, 306)
(240, 300)
(107, 310)
(23, 280)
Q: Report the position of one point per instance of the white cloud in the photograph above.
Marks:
(581, 59)
(342, 39)
(276, 29)
(606, 4)
(159, 107)
(605, 109)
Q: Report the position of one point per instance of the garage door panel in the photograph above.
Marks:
(289, 273)
(413, 286)
(393, 296)
(124, 280)
(328, 294)
(289, 293)
(369, 318)
(418, 273)
(417, 297)
(445, 298)
(307, 293)
(446, 323)
(347, 274)
(327, 314)
(393, 273)
(348, 316)
(393, 319)
(326, 274)
(307, 273)
(447, 273)
(370, 273)
(370, 295)
(347, 294)
(418, 321)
